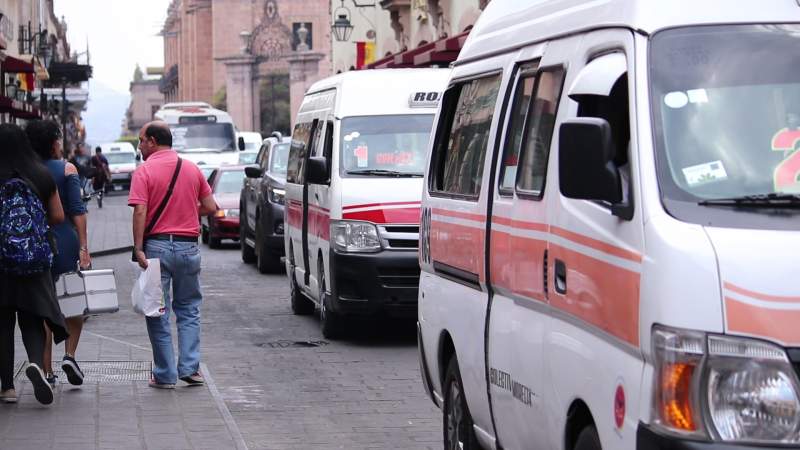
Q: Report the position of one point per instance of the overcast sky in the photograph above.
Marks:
(121, 33)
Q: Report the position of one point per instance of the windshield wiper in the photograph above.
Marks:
(383, 172)
(773, 200)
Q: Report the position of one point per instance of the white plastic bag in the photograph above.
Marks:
(147, 295)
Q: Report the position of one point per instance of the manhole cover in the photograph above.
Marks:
(108, 372)
(293, 344)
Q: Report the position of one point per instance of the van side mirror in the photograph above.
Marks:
(240, 144)
(252, 171)
(586, 169)
(317, 170)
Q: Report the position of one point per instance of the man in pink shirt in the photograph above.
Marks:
(168, 195)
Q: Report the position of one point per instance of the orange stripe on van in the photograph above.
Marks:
(757, 295)
(458, 246)
(521, 224)
(599, 293)
(514, 265)
(597, 244)
(459, 214)
(763, 322)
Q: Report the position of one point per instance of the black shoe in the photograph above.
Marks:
(41, 388)
(52, 380)
(71, 369)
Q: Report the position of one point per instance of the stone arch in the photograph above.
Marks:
(272, 39)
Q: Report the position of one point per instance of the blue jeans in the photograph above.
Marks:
(180, 266)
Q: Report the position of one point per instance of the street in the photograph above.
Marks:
(273, 382)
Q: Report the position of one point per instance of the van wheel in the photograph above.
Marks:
(588, 439)
(457, 422)
(266, 260)
(248, 253)
(331, 323)
(214, 242)
(301, 305)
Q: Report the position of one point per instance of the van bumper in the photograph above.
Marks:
(366, 284)
(648, 439)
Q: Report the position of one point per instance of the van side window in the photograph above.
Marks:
(523, 92)
(538, 135)
(461, 145)
(327, 150)
(297, 153)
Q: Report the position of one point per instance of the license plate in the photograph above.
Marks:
(117, 187)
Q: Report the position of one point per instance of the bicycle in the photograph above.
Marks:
(89, 192)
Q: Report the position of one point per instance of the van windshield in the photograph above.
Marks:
(120, 158)
(726, 106)
(385, 145)
(203, 137)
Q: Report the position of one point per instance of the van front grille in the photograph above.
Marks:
(399, 237)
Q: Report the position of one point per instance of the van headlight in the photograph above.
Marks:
(724, 388)
(355, 237)
(276, 195)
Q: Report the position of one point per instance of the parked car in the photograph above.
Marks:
(261, 204)
(226, 184)
(122, 162)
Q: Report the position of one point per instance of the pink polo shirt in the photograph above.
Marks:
(149, 186)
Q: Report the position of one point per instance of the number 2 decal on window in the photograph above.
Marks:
(787, 173)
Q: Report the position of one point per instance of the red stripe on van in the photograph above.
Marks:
(382, 216)
(372, 205)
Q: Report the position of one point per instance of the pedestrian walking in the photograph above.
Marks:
(70, 235)
(168, 194)
(26, 285)
(102, 173)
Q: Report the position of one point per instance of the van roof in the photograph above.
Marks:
(117, 147)
(171, 115)
(509, 24)
(178, 105)
(382, 91)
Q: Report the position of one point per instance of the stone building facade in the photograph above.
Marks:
(146, 99)
(246, 56)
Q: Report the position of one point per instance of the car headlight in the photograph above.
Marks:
(352, 236)
(277, 195)
(724, 388)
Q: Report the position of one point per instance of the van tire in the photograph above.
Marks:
(301, 305)
(267, 261)
(456, 420)
(588, 439)
(248, 253)
(331, 323)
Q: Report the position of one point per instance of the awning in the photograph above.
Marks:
(439, 53)
(70, 72)
(18, 109)
(14, 64)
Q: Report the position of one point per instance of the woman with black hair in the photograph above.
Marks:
(31, 298)
(71, 237)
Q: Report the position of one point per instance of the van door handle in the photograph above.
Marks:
(560, 281)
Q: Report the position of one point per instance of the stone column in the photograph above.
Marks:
(303, 72)
(241, 94)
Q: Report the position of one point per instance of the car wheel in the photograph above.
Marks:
(588, 439)
(332, 324)
(301, 305)
(457, 421)
(248, 253)
(213, 242)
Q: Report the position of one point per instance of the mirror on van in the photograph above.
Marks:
(317, 170)
(586, 169)
(241, 144)
(252, 172)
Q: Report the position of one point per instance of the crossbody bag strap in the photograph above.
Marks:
(165, 200)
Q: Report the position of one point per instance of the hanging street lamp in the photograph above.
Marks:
(342, 27)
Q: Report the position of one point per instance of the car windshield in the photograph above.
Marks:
(280, 159)
(384, 145)
(120, 158)
(251, 146)
(726, 105)
(203, 137)
(246, 157)
(230, 181)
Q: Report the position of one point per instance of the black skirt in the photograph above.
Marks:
(36, 295)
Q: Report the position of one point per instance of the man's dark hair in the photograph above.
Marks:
(42, 134)
(98, 149)
(160, 134)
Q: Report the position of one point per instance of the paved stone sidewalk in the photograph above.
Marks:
(110, 226)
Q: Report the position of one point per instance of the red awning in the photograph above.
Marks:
(441, 52)
(16, 65)
(18, 109)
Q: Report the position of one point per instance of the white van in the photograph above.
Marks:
(122, 161)
(611, 228)
(200, 133)
(353, 187)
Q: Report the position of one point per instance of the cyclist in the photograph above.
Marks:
(102, 173)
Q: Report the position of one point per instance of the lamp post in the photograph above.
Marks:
(342, 27)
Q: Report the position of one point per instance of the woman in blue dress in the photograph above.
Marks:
(71, 237)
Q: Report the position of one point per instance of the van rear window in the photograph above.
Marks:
(463, 135)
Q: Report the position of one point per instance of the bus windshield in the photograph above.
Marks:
(203, 137)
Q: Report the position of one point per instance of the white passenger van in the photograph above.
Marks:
(610, 234)
(353, 187)
(200, 133)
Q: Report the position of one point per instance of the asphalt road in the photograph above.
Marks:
(285, 386)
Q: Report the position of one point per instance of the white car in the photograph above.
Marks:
(122, 162)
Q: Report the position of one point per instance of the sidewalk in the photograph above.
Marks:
(115, 409)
